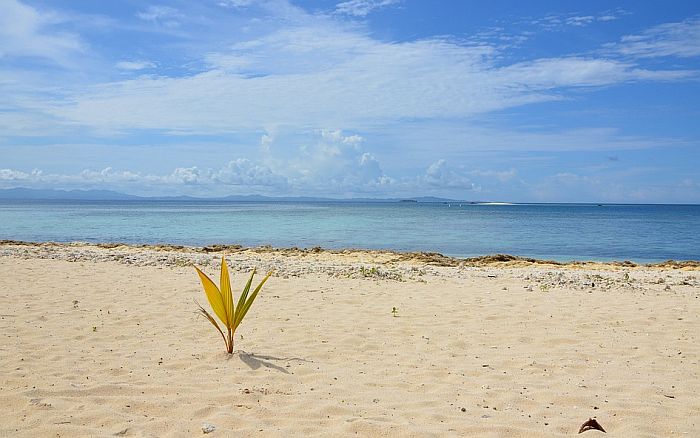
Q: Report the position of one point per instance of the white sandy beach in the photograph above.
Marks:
(106, 342)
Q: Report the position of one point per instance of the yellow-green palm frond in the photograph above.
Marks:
(221, 299)
(245, 306)
(214, 296)
(226, 294)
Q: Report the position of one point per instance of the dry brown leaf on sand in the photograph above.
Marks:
(592, 423)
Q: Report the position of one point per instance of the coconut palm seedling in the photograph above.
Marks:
(221, 300)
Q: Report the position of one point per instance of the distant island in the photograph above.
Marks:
(109, 195)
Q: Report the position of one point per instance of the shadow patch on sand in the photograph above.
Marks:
(255, 361)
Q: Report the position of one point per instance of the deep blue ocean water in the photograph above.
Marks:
(641, 233)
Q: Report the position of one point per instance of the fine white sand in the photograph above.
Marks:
(105, 342)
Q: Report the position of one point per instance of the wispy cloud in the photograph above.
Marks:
(156, 13)
(24, 33)
(680, 39)
(342, 78)
(134, 65)
(558, 22)
(317, 73)
(311, 72)
(514, 34)
(362, 8)
(501, 175)
(236, 3)
(164, 15)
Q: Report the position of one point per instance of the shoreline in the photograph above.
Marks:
(419, 257)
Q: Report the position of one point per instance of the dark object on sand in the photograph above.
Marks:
(592, 423)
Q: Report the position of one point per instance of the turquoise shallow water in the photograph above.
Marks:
(641, 233)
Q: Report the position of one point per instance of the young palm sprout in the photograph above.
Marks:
(221, 300)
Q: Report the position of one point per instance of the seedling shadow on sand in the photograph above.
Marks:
(255, 361)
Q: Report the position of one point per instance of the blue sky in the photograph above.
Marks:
(533, 101)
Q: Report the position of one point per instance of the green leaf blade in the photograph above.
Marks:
(242, 300)
(249, 303)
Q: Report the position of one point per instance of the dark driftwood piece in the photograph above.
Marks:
(592, 423)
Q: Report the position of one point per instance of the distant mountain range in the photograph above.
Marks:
(34, 194)
(109, 195)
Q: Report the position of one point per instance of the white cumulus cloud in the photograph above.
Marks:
(243, 172)
(442, 175)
